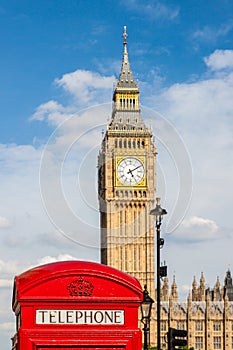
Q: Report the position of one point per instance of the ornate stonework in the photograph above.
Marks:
(126, 187)
(207, 315)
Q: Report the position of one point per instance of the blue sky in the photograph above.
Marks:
(60, 57)
(41, 41)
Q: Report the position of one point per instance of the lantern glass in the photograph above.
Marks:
(146, 306)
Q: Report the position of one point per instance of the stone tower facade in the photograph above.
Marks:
(207, 315)
(126, 184)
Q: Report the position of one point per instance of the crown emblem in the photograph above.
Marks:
(80, 287)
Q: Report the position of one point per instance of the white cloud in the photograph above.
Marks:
(11, 154)
(10, 267)
(52, 111)
(197, 229)
(185, 289)
(220, 59)
(153, 10)
(4, 222)
(6, 283)
(7, 326)
(50, 259)
(86, 86)
(211, 34)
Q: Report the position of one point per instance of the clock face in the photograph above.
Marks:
(130, 171)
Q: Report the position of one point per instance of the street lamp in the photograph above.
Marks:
(146, 306)
(158, 213)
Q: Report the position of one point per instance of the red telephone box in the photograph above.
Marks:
(74, 305)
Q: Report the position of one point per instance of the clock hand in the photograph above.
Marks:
(130, 171)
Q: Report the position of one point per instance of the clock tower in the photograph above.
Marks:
(126, 184)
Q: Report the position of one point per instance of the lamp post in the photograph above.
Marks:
(146, 306)
(158, 213)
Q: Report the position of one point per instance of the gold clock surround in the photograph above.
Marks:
(139, 159)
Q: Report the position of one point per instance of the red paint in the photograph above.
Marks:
(76, 305)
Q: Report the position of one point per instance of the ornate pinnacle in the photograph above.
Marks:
(125, 35)
(125, 59)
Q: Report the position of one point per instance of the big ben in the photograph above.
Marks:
(126, 183)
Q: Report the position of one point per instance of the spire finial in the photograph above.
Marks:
(125, 35)
(125, 57)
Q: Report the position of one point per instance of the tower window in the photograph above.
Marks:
(180, 325)
(198, 326)
(129, 144)
(217, 342)
(199, 343)
(217, 326)
(163, 326)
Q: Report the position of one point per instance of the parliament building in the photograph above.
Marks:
(207, 315)
(127, 191)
